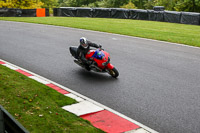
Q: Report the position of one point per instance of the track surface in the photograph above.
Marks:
(158, 83)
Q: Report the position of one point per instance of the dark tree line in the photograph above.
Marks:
(173, 5)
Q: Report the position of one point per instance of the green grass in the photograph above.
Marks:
(38, 107)
(171, 32)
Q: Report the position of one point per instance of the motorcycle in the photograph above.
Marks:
(100, 61)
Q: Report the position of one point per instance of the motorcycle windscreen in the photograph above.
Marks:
(98, 55)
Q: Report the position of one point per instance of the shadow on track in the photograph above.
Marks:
(90, 76)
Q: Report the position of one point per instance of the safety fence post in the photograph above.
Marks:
(2, 129)
(8, 124)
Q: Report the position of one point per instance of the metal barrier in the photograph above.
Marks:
(8, 124)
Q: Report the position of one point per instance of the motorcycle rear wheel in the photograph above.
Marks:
(114, 73)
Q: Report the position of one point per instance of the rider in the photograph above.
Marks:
(83, 48)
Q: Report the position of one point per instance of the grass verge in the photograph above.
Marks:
(38, 107)
(171, 32)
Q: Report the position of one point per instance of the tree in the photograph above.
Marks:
(23, 4)
(149, 4)
(140, 3)
(168, 4)
(50, 3)
(73, 3)
(115, 3)
(130, 5)
(76, 3)
(188, 5)
(62, 3)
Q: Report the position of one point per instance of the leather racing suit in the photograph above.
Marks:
(81, 52)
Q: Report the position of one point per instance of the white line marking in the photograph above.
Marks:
(140, 130)
(78, 99)
(82, 108)
(10, 66)
(39, 80)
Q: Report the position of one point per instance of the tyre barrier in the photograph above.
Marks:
(158, 14)
(12, 12)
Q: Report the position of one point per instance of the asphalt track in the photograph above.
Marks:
(158, 84)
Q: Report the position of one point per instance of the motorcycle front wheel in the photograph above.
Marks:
(114, 73)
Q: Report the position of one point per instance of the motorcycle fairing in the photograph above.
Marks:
(101, 63)
(98, 55)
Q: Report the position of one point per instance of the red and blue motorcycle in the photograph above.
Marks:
(100, 61)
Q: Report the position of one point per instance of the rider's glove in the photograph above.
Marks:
(100, 47)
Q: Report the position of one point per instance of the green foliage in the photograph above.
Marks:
(50, 3)
(188, 5)
(179, 5)
(149, 4)
(174, 5)
(23, 4)
(76, 3)
(168, 4)
(95, 4)
(115, 3)
(62, 3)
(139, 3)
(130, 5)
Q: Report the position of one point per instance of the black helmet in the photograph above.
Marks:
(83, 42)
